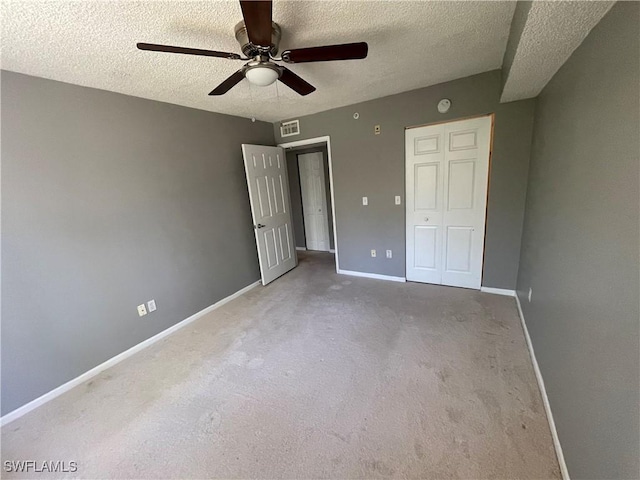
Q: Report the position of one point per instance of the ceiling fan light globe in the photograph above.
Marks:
(261, 76)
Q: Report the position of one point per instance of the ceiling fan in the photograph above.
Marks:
(259, 38)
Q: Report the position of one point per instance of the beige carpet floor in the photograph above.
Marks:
(317, 375)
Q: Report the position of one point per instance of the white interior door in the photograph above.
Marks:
(447, 170)
(268, 185)
(314, 201)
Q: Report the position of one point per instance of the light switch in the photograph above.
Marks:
(398, 200)
(365, 201)
(151, 305)
(389, 254)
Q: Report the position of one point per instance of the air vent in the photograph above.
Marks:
(287, 129)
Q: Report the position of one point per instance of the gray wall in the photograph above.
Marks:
(296, 196)
(109, 201)
(580, 248)
(371, 165)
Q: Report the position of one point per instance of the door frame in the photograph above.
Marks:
(313, 141)
(492, 116)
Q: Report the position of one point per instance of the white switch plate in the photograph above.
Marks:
(530, 293)
(142, 310)
(389, 254)
(365, 201)
(151, 305)
(398, 200)
(373, 253)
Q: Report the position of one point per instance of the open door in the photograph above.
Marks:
(268, 184)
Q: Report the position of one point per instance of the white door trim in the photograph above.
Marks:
(312, 141)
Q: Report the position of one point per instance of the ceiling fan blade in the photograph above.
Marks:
(189, 51)
(228, 84)
(257, 20)
(294, 82)
(346, 51)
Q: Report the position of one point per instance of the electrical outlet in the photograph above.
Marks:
(389, 254)
(398, 200)
(373, 253)
(530, 293)
(376, 130)
(365, 201)
(151, 305)
(142, 310)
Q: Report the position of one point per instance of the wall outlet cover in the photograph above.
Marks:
(151, 306)
(373, 253)
(389, 254)
(365, 201)
(142, 310)
(376, 129)
(398, 200)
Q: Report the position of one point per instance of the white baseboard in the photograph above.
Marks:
(498, 291)
(372, 275)
(18, 412)
(331, 250)
(545, 399)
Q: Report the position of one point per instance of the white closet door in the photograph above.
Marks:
(314, 201)
(447, 168)
(424, 163)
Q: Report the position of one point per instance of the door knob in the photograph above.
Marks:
(260, 225)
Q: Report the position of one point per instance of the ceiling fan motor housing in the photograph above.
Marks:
(249, 49)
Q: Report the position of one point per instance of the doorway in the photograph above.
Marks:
(313, 191)
(447, 172)
(310, 174)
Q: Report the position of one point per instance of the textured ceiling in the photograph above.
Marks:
(551, 32)
(411, 45)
